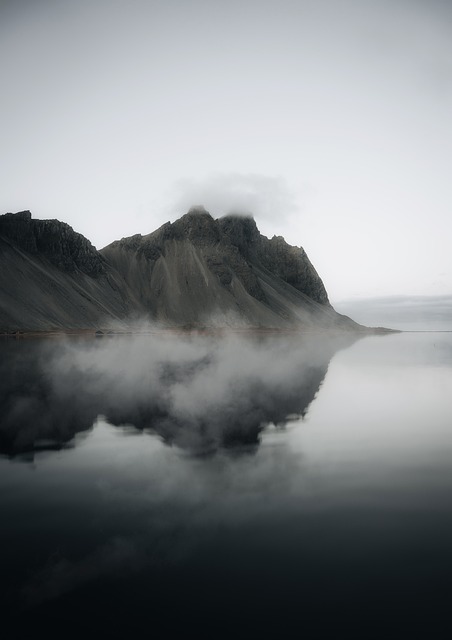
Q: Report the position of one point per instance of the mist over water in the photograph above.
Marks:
(200, 393)
(246, 486)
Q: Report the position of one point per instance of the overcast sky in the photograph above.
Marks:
(330, 120)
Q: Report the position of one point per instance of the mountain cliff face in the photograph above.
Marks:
(194, 272)
(53, 278)
(54, 240)
(291, 264)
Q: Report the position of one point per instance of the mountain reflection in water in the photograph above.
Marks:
(338, 526)
(195, 392)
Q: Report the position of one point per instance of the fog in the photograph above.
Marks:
(269, 199)
(198, 392)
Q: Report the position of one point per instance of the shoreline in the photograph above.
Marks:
(220, 331)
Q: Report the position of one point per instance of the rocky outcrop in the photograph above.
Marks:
(54, 240)
(291, 264)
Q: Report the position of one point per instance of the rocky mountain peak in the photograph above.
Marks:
(240, 230)
(54, 240)
(23, 216)
(198, 208)
(197, 226)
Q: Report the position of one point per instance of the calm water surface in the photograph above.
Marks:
(254, 488)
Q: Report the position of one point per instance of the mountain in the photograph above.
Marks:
(195, 272)
(53, 278)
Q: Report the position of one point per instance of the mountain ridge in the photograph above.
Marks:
(195, 272)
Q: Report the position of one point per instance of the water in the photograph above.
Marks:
(240, 486)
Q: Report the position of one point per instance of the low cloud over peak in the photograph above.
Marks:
(252, 194)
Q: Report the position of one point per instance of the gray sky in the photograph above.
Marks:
(330, 120)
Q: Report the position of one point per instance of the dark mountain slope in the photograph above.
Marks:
(53, 278)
